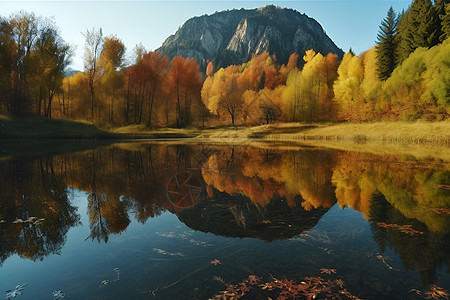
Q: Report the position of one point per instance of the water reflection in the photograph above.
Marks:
(35, 208)
(425, 251)
(268, 194)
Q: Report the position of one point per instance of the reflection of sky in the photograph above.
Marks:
(342, 240)
(349, 23)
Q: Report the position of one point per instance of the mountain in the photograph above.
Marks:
(69, 72)
(236, 216)
(232, 36)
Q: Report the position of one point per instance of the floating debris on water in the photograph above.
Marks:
(173, 235)
(18, 290)
(30, 220)
(170, 235)
(59, 295)
(164, 252)
(310, 288)
(328, 251)
(219, 279)
(441, 211)
(383, 260)
(185, 235)
(215, 262)
(106, 281)
(319, 236)
(296, 239)
(199, 243)
(402, 228)
(328, 271)
(436, 292)
(418, 292)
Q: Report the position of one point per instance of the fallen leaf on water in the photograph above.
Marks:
(436, 292)
(328, 271)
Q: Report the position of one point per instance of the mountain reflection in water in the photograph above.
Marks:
(268, 194)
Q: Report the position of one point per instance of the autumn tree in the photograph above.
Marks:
(8, 56)
(209, 69)
(262, 107)
(111, 60)
(231, 101)
(33, 57)
(24, 28)
(137, 81)
(158, 67)
(185, 83)
(92, 51)
(75, 90)
(347, 88)
(52, 56)
(292, 95)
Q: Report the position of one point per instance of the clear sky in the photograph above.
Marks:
(351, 23)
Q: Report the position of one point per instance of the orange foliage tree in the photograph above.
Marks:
(184, 88)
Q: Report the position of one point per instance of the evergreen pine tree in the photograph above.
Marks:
(404, 47)
(439, 10)
(418, 27)
(386, 45)
(445, 22)
(425, 24)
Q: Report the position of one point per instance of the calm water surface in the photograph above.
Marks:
(143, 221)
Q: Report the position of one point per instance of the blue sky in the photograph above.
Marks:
(351, 23)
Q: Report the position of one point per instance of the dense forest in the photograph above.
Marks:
(405, 76)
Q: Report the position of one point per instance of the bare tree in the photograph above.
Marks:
(92, 51)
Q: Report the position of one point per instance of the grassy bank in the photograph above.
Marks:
(13, 128)
(420, 139)
(42, 129)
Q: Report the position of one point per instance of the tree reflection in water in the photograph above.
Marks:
(254, 192)
(34, 188)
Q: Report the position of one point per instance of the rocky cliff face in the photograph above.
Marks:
(231, 37)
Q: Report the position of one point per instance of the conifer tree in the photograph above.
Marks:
(418, 27)
(445, 22)
(386, 45)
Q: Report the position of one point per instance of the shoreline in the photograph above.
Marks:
(419, 139)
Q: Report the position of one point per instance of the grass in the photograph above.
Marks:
(141, 131)
(419, 139)
(13, 128)
(38, 128)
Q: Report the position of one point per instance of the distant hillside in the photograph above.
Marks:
(70, 72)
(231, 37)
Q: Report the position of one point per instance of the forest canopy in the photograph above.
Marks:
(405, 76)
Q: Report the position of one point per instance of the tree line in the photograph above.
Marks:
(405, 76)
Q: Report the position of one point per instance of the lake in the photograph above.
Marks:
(169, 221)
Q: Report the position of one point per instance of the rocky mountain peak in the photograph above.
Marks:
(233, 36)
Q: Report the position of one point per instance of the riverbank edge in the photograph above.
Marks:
(420, 139)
